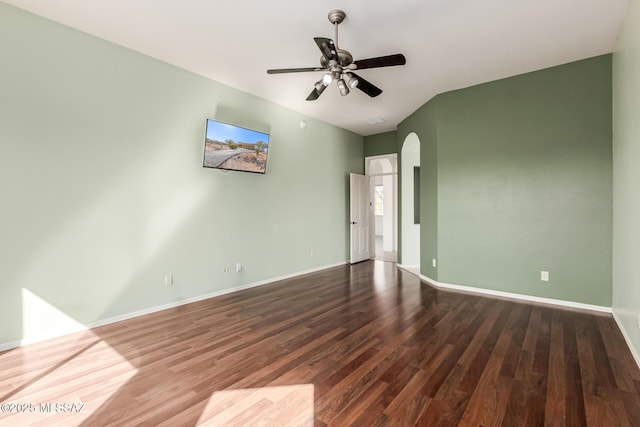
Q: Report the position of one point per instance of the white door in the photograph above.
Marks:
(359, 217)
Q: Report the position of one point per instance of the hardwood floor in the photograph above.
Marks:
(360, 345)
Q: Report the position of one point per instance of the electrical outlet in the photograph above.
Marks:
(238, 267)
(544, 276)
(311, 254)
(226, 270)
(638, 321)
(434, 263)
(168, 280)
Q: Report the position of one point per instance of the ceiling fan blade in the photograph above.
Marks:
(367, 87)
(294, 70)
(327, 47)
(381, 61)
(313, 95)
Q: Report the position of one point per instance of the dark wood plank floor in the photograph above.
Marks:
(360, 345)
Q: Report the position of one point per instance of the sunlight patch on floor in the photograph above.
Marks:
(266, 406)
(61, 386)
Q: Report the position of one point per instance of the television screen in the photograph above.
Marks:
(235, 148)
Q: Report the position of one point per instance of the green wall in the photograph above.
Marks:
(521, 169)
(381, 143)
(626, 177)
(104, 192)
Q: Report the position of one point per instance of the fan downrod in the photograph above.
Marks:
(345, 58)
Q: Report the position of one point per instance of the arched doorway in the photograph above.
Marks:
(410, 173)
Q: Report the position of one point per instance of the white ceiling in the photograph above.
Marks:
(449, 44)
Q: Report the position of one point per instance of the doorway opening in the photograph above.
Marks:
(411, 203)
(383, 192)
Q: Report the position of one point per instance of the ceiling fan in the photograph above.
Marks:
(339, 65)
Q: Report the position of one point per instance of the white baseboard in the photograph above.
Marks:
(126, 316)
(415, 269)
(627, 338)
(527, 298)
(407, 267)
(511, 295)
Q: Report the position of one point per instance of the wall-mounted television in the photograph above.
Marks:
(235, 148)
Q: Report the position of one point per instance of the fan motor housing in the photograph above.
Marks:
(344, 58)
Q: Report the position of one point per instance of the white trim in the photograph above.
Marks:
(383, 174)
(126, 316)
(523, 297)
(511, 295)
(627, 338)
(368, 159)
(414, 269)
(407, 267)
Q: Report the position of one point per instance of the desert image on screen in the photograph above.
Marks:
(233, 148)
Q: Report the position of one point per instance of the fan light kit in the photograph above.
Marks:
(338, 65)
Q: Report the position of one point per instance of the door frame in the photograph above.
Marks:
(393, 157)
